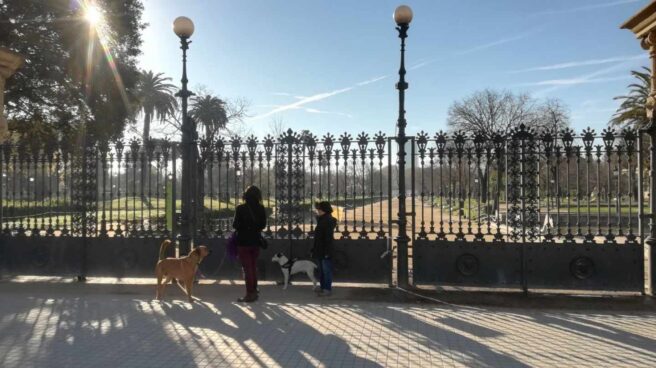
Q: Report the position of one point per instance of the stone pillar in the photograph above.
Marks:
(648, 43)
(9, 63)
(643, 25)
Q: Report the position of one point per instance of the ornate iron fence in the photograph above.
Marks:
(518, 209)
(120, 190)
(529, 210)
(529, 187)
(524, 186)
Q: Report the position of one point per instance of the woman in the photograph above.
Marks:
(323, 245)
(250, 220)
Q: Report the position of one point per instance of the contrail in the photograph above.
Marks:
(586, 77)
(317, 97)
(587, 7)
(574, 64)
(322, 96)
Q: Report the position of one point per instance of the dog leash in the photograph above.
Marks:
(437, 300)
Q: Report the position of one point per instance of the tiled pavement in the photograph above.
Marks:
(85, 326)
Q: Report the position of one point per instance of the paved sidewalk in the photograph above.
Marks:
(74, 325)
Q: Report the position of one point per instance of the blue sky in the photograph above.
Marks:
(331, 65)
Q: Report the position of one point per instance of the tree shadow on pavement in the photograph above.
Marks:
(588, 328)
(67, 332)
(460, 348)
(266, 332)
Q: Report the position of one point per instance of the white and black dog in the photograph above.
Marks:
(294, 266)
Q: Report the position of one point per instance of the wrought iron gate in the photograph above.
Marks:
(104, 210)
(529, 210)
(525, 210)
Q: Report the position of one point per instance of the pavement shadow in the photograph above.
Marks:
(74, 330)
(603, 333)
(467, 351)
(267, 332)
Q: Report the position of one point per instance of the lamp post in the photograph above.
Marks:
(402, 17)
(184, 28)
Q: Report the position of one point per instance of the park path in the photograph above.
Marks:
(75, 325)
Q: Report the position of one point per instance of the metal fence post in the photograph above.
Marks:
(290, 180)
(402, 239)
(650, 242)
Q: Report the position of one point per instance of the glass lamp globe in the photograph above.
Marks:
(183, 27)
(403, 15)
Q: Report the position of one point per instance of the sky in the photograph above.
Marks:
(332, 65)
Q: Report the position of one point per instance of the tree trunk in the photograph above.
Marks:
(143, 167)
(482, 175)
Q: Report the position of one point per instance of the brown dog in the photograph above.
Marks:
(182, 269)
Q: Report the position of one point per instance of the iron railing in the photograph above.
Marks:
(137, 186)
(529, 187)
(522, 186)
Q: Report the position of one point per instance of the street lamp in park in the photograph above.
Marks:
(184, 28)
(402, 17)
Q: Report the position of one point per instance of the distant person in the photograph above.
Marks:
(323, 245)
(250, 220)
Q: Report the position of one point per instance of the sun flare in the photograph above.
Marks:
(100, 33)
(93, 15)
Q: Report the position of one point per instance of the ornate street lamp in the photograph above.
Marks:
(184, 28)
(402, 17)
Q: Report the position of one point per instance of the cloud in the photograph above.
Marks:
(307, 100)
(286, 94)
(424, 62)
(315, 111)
(587, 7)
(583, 79)
(304, 100)
(317, 97)
(574, 81)
(495, 43)
(574, 64)
(372, 80)
(306, 109)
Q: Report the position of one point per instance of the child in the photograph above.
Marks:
(323, 245)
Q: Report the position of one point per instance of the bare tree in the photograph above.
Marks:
(553, 116)
(277, 126)
(491, 111)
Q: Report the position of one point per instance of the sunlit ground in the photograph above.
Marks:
(294, 328)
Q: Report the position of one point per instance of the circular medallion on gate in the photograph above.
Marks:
(128, 258)
(467, 264)
(582, 268)
(340, 260)
(40, 256)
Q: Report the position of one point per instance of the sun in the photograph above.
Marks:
(93, 15)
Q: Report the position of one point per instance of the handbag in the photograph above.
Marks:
(264, 244)
(231, 247)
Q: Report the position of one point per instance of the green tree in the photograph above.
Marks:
(76, 71)
(155, 99)
(210, 111)
(632, 112)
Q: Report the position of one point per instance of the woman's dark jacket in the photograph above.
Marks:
(323, 237)
(249, 227)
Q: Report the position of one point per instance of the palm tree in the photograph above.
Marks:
(156, 99)
(211, 112)
(632, 112)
